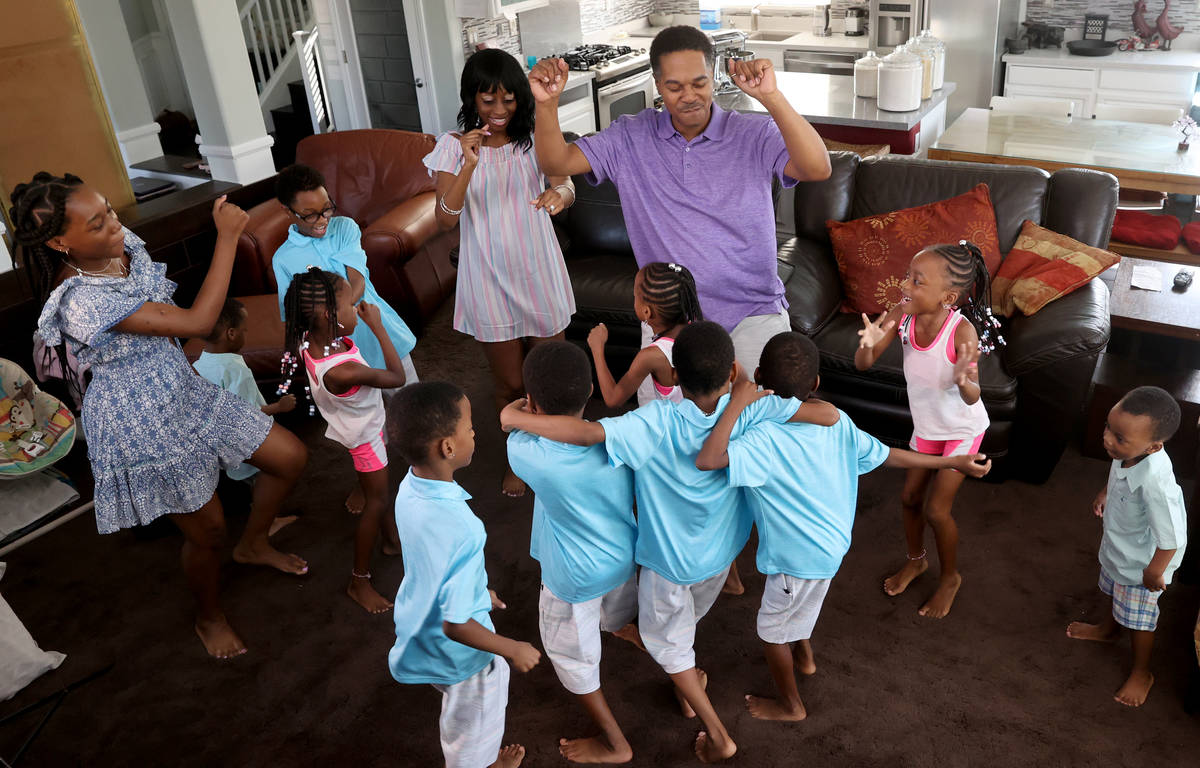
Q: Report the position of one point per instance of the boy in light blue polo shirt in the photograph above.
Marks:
(1145, 529)
(583, 535)
(691, 524)
(801, 483)
(444, 633)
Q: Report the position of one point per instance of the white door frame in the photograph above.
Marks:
(351, 70)
(418, 50)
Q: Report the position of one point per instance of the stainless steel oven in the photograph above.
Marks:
(627, 95)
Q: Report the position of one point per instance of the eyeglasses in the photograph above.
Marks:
(312, 218)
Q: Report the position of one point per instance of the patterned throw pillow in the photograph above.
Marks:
(1044, 266)
(873, 253)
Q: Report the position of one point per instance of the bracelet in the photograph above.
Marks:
(918, 557)
(568, 188)
(447, 210)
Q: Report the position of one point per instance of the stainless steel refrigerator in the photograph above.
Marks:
(974, 32)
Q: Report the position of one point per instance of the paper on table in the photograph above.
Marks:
(1148, 278)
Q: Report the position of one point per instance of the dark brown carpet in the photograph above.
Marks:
(996, 683)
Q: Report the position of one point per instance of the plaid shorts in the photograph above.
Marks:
(1134, 606)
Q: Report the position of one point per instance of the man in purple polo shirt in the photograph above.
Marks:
(695, 180)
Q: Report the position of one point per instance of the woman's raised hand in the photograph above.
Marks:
(873, 332)
(547, 79)
(471, 141)
(229, 219)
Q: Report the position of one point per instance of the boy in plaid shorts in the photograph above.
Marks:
(1145, 529)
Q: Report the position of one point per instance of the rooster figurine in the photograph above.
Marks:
(1164, 26)
(1141, 27)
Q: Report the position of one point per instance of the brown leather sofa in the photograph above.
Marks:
(1034, 389)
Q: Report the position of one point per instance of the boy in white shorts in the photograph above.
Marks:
(802, 487)
(691, 524)
(444, 633)
(583, 535)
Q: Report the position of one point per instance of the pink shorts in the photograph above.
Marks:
(946, 447)
(370, 457)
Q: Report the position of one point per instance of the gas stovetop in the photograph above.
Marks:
(607, 61)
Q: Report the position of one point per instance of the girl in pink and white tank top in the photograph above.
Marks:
(664, 300)
(945, 285)
(320, 315)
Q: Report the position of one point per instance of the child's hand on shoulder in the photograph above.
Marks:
(524, 656)
(497, 603)
(286, 403)
(975, 465)
(369, 314)
(1099, 502)
(598, 337)
(1153, 581)
(228, 218)
(511, 414)
(746, 392)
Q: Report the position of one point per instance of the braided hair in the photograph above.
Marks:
(969, 276)
(671, 290)
(39, 213)
(310, 292)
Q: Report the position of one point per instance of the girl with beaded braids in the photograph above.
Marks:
(158, 435)
(512, 287)
(320, 316)
(945, 285)
(664, 298)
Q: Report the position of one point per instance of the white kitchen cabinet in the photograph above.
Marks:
(576, 110)
(490, 9)
(1118, 82)
(1081, 101)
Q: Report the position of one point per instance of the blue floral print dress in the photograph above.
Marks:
(158, 434)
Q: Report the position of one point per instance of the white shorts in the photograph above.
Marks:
(667, 616)
(790, 607)
(753, 333)
(472, 721)
(571, 632)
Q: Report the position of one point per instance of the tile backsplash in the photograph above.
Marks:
(595, 16)
(1069, 13)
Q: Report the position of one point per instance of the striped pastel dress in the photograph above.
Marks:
(512, 281)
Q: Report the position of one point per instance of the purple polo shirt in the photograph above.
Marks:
(705, 204)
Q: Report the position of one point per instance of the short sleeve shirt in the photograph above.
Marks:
(1143, 512)
(444, 580)
(228, 370)
(801, 483)
(705, 204)
(691, 524)
(584, 529)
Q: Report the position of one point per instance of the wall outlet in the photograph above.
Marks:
(472, 35)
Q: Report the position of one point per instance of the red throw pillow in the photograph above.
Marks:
(873, 253)
(1191, 236)
(1152, 230)
(1043, 266)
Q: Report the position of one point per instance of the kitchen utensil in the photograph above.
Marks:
(822, 26)
(1095, 26)
(661, 19)
(856, 21)
(1091, 47)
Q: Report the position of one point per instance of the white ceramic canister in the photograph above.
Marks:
(939, 50)
(866, 76)
(900, 81)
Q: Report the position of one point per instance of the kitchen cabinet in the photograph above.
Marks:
(490, 9)
(576, 110)
(1154, 79)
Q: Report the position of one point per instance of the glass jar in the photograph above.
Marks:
(900, 81)
(866, 76)
(927, 40)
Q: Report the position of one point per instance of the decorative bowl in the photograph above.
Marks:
(1092, 47)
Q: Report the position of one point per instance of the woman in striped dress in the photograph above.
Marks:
(513, 290)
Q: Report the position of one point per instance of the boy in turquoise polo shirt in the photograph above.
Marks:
(583, 535)
(444, 633)
(691, 524)
(1145, 529)
(801, 482)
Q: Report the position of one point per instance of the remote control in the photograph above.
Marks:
(1183, 278)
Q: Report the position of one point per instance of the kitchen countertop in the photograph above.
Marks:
(639, 35)
(830, 100)
(1182, 61)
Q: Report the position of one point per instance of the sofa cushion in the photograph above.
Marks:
(873, 253)
(1042, 267)
(815, 202)
(1146, 229)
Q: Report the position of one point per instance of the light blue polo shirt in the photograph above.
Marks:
(228, 370)
(1143, 512)
(584, 530)
(341, 247)
(801, 482)
(691, 524)
(444, 580)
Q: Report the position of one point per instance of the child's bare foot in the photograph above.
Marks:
(937, 606)
(710, 752)
(509, 757)
(684, 708)
(280, 523)
(1133, 693)
(593, 750)
(219, 639)
(1101, 633)
(802, 657)
(512, 486)
(363, 592)
(356, 501)
(763, 708)
(733, 582)
(265, 554)
(630, 634)
(899, 581)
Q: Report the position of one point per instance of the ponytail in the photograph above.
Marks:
(671, 290)
(969, 276)
(309, 291)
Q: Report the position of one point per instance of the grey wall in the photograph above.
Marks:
(386, 63)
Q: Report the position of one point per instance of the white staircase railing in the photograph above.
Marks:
(267, 26)
(314, 81)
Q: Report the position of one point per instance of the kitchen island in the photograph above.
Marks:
(829, 103)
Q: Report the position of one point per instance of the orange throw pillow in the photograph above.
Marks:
(873, 253)
(1044, 266)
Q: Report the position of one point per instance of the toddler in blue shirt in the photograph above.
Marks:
(583, 535)
(444, 633)
(691, 524)
(801, 482)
